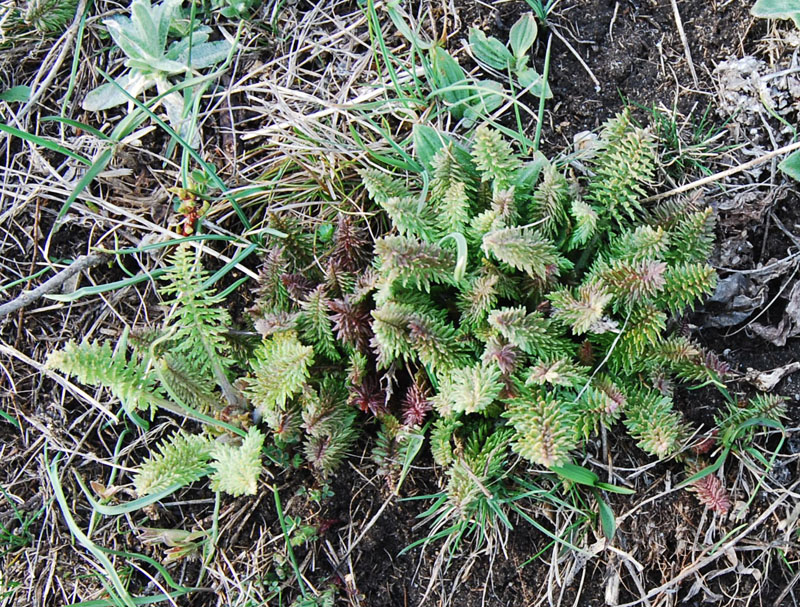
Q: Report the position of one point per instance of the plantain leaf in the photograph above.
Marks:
(778, 9)
(791, 165)
(490, 50)
(607, 519)
(522, 35)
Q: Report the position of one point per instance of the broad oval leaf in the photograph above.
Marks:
(531, 78)
(16, 94)
(791, 165)
(490, 51)
(778, 9)
(448, 80)
(607, 519)
(428, 141)
(523, 35)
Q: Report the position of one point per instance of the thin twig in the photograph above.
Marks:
(714, 555)
(28, 297)
(578, 57)
(726, 173)
(686, 50)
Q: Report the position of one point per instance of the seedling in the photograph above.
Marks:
(778, 9)
(513, 56)
(151, 62)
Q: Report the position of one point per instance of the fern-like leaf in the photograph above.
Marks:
(281, 367)
(441, 440)
(653, 422)
(633, 282)
(623, 165)
(645, 243)
(560, 372)
(478, 298)
(95, 364)
(451, 190)
(237, 468)
(414, 262)
(531, 333)
(493, 157)
(414, 329)
(643, 331)
(182, 459)
(50, 16)
(601, 405)
(585, 218)
(544, 428)
(581, 311)
(469, 389)
(692, 237)
(685, 284)
(316, 326)
(185, 385)
(271, 294)
(325, 452)
(549, 205)
(711, 492)
(382, 187)
(524, 249)
(198, 320)
(349, 245)
(409, 219)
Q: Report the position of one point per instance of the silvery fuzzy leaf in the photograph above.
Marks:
(208, 54)
(123, 33)
(109, 95)
(197, 37)
(161, 66)
(142, 14)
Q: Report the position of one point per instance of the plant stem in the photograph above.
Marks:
(537, 137)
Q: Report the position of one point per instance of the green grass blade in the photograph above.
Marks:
(131, 506)
(168, 243)
(45, 143)
(83, 540)
(97, 167)
(244, 254)
(110, 286)
(77, 125)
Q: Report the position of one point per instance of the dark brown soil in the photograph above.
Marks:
(632, 49)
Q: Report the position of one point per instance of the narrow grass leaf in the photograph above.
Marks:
(95, 169)
(80, 536)
(77, 125)
(128, 507)
(45, 143)
(104, 288)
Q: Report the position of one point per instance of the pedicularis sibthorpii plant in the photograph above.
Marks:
(510, 310)
(558, 326)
